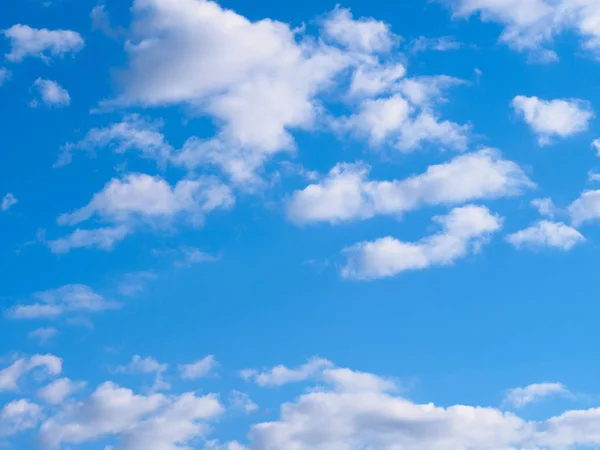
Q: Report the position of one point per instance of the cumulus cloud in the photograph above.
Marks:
(346, 193)
(532, 25)
(523, 396)
(547, 234)
(553, 118)
(464, 230)
(281, 375)
(17, 416)
(68, 299)
(133, 133)
(10, 376)
(586, 208)
(51, 93)
(545, 206)
(56, 392)
(141, 422)
(8, 201)
(30, 42)
(198, 369)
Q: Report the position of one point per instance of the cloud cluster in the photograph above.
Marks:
(41, 43)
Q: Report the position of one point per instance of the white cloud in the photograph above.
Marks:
(545, 206)
(242, 402)
(520, 397)
(596, 146)
(103, 238)
(134, 132)
(43, 335)
(346, 194)
(147, 197)
(147, 365)
(52, 93)
(8, 201)
(30, 42)
(198, 369)
(56, 392)
(547, 234)
(17, 416)
(554, 118)
(593, 177)
(4, 75)
(152, 422)
(10, 376)
(281, 375)
(373, 79)
(68, 299)
(464, 230)
(441, 44)
(531, 25)
(365, 35)
(586, 208)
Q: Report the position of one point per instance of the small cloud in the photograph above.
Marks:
(43, 335)
(440, 44)
(199, 369)
(241, 401)
(51, 93)
(521, 397)
(8, 201)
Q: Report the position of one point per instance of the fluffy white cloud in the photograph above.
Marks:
(10, 376)
(8, 201)
(152, 422)
(242, 402)
(51, 93)
(547, 234)
(520, 397)
(531, 25)
(30, 42)
(43, 335)
(281, 375)
(68, 299)
(103, 238)
(596, 146)
(586, 208)
(346, 194)
(464, 230)
(372, 79)
(147, 197)
(365, 35)
(59, 390)
(545, 206)
(198, 369)
(441, 44)
(551, 118)
(17, 416)
(134, 132)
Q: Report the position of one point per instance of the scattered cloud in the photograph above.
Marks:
(4, 75)
(553, 118)
(103, 238)
(10, 376)
(464, 230)
(17, 416)
(521, 397)
(8, 201)
(546, 207)
(148, 365)
(199, 369)
(547, 234)
(44, 44)
(586, 208)
(346, 193)
(43, 335)
(596, 146)
(51, 93)
(241, 401)
(59, 390)
(68, 299)
(281, 375)
(440, 44)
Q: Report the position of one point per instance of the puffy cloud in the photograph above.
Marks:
(547, 234)
(134, 132)
(144, 196)
(242, 402)
(464, 230)
(30, 42)
(10, 376)
(18, 416)
(520, 397)
(346, 194)
(586, 208)
(372, 79)
(152, 422)
(545, 206)
(103, 238)
(8, 201)
(43, 335)
(198, 369)
(441, 44)
(68, 299)
(365, 35)
(550, 118)
(51, 93)
(56, 392)
(531, 25)
(281, 375)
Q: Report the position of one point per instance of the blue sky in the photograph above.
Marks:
(272, 225)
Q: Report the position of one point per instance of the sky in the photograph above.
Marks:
(260, 225)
